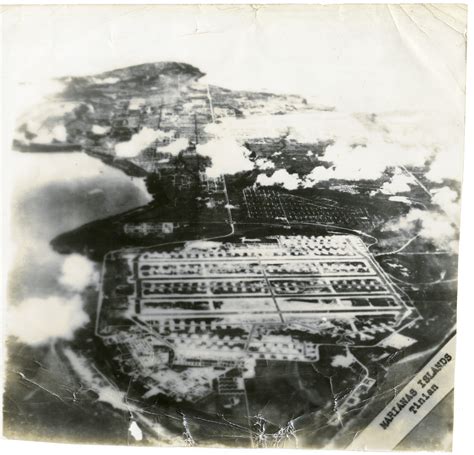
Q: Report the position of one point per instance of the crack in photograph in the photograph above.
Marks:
(233, 225)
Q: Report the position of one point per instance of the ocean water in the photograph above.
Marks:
(50, 194)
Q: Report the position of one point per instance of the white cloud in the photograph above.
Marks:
(310, 126)
(37, 321)
(46, 136)
(364, 145)
(399, 183)
(45, 120)
(447, 164)
(175, 147)
(46, 111)
(367, 161)
(448, 200)
(280, 177)
(98, 129)
(139, 141)
(264, 164)
(77, 272)
(343, 361)
(228, 156)
(430, 225)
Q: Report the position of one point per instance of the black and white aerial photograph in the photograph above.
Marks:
(232, 226)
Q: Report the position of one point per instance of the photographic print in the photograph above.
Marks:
(233, 225)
